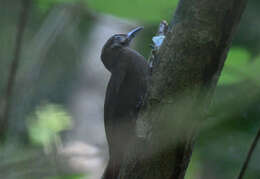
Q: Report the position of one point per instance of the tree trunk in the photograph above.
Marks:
(190, 62)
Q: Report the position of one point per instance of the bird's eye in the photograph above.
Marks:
(117, 37)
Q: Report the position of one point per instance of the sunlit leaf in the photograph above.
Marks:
(141, 10)
(253, 71)
(46, 122)
(194, 168)
(235, 67)
(144, 10)
(69, 176)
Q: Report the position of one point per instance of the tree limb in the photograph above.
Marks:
(190, 62)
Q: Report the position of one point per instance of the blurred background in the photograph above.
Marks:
(55, 126)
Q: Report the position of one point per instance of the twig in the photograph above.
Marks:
(249, 155)
(14, 67)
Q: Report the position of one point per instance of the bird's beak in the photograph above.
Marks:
(132, 33)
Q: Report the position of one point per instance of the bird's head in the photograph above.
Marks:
(115, 43)
(122, 40)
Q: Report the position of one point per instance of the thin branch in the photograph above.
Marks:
(14, 67)
(249, 155)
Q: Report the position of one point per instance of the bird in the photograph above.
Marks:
(125, 95)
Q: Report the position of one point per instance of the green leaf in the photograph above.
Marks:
(46, 122)
(142, 10)
(69, 176)
(253, 71)
(235, 68)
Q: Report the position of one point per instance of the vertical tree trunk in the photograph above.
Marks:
(191, 60)
(4, 118)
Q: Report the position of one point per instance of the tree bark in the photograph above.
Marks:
(182, 84)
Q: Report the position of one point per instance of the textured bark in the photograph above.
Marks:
(191, 60)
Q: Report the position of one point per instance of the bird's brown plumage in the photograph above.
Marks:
(124, 95)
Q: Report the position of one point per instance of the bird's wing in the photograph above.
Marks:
(118, 76)
(112, 97)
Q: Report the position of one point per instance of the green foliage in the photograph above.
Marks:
(46, 122)
(74, 176)
(194, 167)
(144, 10)
(236, 63)
(238, 67)
(46, 4)
(252, 71)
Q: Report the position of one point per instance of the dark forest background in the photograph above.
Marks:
(55, 127)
